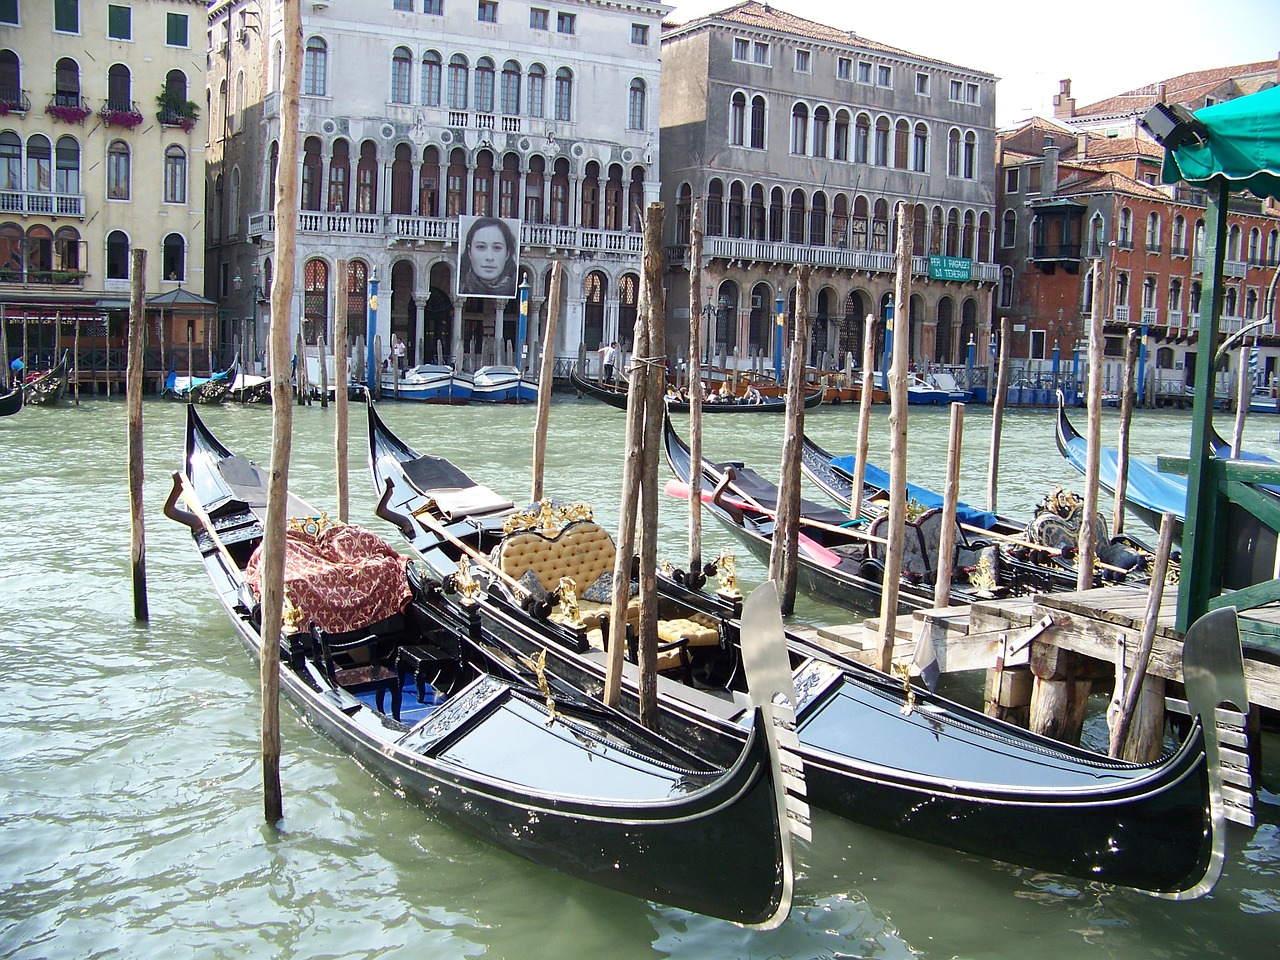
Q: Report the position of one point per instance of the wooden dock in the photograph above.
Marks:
(1091, 623)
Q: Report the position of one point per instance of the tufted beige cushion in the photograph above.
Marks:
(582, 552)
(699, 629)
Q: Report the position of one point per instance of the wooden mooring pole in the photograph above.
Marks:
(897, 442)
(341, 401)
(997, 411)
(286, 211)
(950, 498)
(1127, 388)
(785, 544)
(542, 417)
(695, 394)
(133, 391)
(865, 399)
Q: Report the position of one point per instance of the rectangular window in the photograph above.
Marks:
(9, 11)
(119, 22)
(539, 19)
(956, 91)
(488, 11)
(884, 76)
(1011, 180)
(761, 53)
(970, 93)
(640, 34)
(1037, 344)
(566, 23)
(922, 84)
(176, 29)
(741, 49)
(844, 68)
(403, 5)
(802, 61)
(66, 16)
(435, 7)
(864, 71)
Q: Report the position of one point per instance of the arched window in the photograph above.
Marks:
(861, 138)
(273, 163)
(953, 232)
(1153, 232)
(118, 170)
(175, 257)
(738, 119)
(1006, 286)
(1178, 245)
(953, 153)
(66, 89)
(175, 175)
(714, 213)
(882, 142)
(432, 67)
(482, 185)
(233, 203)
(920, 149)
(777, 200)
(635, 105)
(315, 299)
(535, 182)
(511, 88)
(367, 178)
(1125, 237)
(1255, 247)
(901, 144)
(737, 209)
(484, 85)
(39, 164)
(311, 174)
(564, 94)
(818, 220)
(175, 86)
(66, 160)
(758, 115)
(39, 253)
(840, 144)
(315, 68)
(402, 180)
(799, 129)
(970, 155)
(537, 90)
(821, 130)
(509, 187)
(10, 253)
(455, 197)
(458, 80)
(117, 262)
(967, 237)
(10, 161)
(10, 79)
(757, 218)
(401, 75)
(339, 176)
(795, 218)
(684, 213)
(119, 88)
(560, 193)
(429, 183)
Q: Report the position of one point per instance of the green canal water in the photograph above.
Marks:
(130, 797)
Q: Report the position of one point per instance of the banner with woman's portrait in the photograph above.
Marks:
(488, 257)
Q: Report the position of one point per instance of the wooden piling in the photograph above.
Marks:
(865, 400)
(784, 546)
(997, 411)
(543, 416)
(341, 378)
(6, 376)
(286, 213)
(897, 441)
(1145, 747)
(133, 392)
(75, 353)
(322, 349)
(695, 393)
(1127, 387)
(951, 497)
(1243, 394)
(1093, 455)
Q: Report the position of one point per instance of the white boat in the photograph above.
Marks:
(503, 384)
(429, 383)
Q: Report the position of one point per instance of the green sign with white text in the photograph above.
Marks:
(950, 268)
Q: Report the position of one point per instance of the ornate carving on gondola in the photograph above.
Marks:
(312, 526)
(465, 584)
(292, 618)
(539, 665)
(727, 575)
(567, 591)
(983, 576)
(547, 517)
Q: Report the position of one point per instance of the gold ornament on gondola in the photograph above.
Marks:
(727, 575)
(467, 586)
(983, 578)
(311, 526)
(567, 590)
(547, 517)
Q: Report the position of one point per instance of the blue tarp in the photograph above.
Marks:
(876, 477)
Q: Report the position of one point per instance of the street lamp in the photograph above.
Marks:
(522, 329)
(371, 331)
(779, 329)
(255, 295)
(888, 343)
(708, 321)
(1057, 350)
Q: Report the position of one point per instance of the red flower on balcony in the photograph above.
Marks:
(120, 118)
(67, 113)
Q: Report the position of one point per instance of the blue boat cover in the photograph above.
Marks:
(876, 477)
(1146, 486)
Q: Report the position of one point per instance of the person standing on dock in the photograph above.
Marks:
(609, 357)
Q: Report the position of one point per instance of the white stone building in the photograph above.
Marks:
(414, 113)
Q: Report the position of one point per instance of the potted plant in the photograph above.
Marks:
(175, 111)
(120, 118)
(68, 112)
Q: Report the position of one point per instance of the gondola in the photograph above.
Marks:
(1055, 525)
(47, 388)
(545, 774)
(938, 772)
(617, 397)
(11, 402)
(251, 388)
(210, 391)
(1250, 551)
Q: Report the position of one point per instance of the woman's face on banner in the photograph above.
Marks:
(488, 252)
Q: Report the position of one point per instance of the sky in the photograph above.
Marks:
(1104, 48)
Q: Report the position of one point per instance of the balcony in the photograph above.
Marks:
(835, 258)
(1120, 314)
(1125, 243)
(1177, 319)
(120, 113)
(1151, 316)
(44, 278)
(1179, 250)
(69, 108)
(175, 111)
(1230, 268)
(42, 204)
(13, 100)
(1153, 246)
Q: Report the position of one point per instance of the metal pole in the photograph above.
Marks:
(522, 328)
(888, 343)
(371, 332)
(780, 326)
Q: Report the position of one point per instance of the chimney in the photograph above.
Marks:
(1049, 176)
(1064, 105)
(1082, 146)
(1161, 92)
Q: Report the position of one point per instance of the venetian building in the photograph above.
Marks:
(801, 139)
(415, 113)
(101, 150)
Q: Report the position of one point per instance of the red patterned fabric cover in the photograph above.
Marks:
(343, 579)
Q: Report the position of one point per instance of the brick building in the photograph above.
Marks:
(1082, 192)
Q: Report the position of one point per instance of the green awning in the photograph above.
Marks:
(1243, 146)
